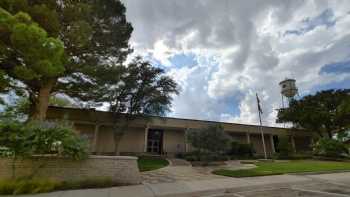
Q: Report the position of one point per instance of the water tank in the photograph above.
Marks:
(288, 88)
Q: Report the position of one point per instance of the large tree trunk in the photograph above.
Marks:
(41, 102)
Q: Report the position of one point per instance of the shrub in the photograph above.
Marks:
(211, 139)
(19, 140)
(239, 150)
(246, 150)
(330, 148)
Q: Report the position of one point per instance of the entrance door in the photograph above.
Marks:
(155, 141)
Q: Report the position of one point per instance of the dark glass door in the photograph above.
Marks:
(155, 141)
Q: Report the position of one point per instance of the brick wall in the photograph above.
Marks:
(121, 169)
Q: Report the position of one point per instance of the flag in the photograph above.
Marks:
(258, 101)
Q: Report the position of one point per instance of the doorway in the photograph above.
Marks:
(155, 141)
(275, 143)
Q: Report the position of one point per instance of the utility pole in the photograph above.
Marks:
(261, 129)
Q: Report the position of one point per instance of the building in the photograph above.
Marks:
(163, 135)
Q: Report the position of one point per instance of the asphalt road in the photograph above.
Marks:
(324, 185)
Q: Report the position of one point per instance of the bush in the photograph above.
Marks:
(41, 138)
(330, 148)
(240, 150)
(211, 139)
(19, 140)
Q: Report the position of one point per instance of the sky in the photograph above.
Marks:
(223, 52)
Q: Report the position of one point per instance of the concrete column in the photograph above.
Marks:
(186, 143)
(293, 143)
(272, 144)
(96, 131)
(248, 138)
(146, 135)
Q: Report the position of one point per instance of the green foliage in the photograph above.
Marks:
(39, 185)
(60, 102)
(239, 150)
(23, 186)
(285, 148)
(330, 148)
(20, 140)
(42, 138)
(141, 89)
(14, 137)
(17, 111)
(325, 112)
(211, 139)
(20, 109)
(70, 47)
(40, 56)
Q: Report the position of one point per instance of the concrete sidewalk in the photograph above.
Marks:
(207, 187)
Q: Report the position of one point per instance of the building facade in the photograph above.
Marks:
(165, 136)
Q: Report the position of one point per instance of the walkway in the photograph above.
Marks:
(178, 170)
(326, 185)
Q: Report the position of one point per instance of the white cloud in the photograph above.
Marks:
(241, 48)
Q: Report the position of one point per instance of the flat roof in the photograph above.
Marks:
(166, 117)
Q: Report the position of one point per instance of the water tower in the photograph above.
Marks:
(288, 90)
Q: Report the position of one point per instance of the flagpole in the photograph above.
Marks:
(261, 129)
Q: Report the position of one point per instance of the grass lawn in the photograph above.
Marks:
(275, 168)
(147, 163)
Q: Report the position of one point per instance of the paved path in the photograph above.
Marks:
(325, 185)
(180, 170)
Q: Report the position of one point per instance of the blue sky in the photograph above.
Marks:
(222, 53)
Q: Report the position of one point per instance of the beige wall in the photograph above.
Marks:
(120, 169)
(132, 141)
(256, 141)
(173, 141)
(105, 140)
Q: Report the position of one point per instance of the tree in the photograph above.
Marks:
(210, 139)
(141, 90)
(325, 112)
(67, 47)
(20, 108)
